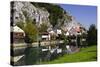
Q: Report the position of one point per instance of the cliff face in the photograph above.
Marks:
(21, 11)
(24, 10)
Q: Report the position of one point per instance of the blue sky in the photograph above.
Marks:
(86, 15)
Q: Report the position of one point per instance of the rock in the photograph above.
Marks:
(24, 10)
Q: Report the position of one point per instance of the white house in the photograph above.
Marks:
(17, 34)
(16, 29)
(59, 31)
(67, 34)
(45, 36)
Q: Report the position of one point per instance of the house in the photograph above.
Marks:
(17, 34)
(72, 31)
(75, 31)
(77, 28)
(67, 33)
(53, 34)
(59, 31)
(45, 36)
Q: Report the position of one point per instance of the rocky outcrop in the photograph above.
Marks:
(24, 10)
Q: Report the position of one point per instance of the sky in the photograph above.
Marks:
(86, 15)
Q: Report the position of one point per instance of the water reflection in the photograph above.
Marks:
(36, 55)
(40, 54)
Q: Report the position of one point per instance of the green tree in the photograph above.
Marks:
(20, 24)
(30, 29)
(92, 35)
(43, 27)
(56, 12)
(31, 32)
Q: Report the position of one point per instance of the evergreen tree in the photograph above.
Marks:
(92, 35)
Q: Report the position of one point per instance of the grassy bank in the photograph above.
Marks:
(85, 54)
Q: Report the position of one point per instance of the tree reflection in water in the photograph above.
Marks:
(32, 55)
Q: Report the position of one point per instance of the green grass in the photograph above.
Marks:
(85, 54)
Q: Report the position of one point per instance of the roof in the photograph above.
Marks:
(52, 32)
(73, 31)
(44, 33)
(16, 29)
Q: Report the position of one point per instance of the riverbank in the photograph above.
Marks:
(85, 55)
